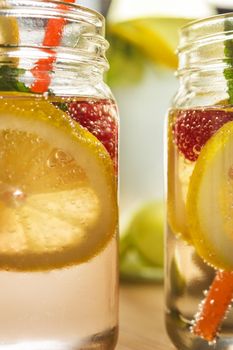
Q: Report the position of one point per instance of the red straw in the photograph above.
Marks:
(52, 38)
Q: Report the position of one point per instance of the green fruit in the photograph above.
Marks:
(146, 232)
(133, 267)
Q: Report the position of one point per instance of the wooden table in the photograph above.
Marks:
(141, 318)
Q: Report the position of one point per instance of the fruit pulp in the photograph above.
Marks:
(199, 200)
(58, 291)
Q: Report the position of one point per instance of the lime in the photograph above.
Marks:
(134, 267)
(145, 232)
(210, 200)
(57, 189)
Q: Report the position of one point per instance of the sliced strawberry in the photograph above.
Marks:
(99, 118)
(194, 127)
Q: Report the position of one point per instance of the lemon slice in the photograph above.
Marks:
(210, 200)
(179, 172)
(9, 35)
(9, 31)
(157, 38)
(57, 189)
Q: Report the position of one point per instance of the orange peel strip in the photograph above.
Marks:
(214, 307)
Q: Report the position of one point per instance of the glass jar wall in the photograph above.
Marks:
(199, 277)
(58, 180)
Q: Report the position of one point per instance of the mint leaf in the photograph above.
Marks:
(62, 106)
(228, 51)
(9, 79)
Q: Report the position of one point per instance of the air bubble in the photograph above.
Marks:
(58, 156)
(212, 342)
(12, 197)
(7, 136)
(46, 95)
(196, 149)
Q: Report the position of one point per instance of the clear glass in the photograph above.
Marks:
(199, 269)
(58, 180)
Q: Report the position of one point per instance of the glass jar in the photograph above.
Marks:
(58, 180)
(199, 273)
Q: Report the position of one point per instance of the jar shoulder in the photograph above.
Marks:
(189, 97)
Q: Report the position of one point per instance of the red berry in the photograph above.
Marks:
(194, 127)
(99, 118)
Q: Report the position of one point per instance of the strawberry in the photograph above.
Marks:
(193, 128)
(99, 118)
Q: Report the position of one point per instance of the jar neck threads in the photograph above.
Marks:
(81, 52)
(203, 53)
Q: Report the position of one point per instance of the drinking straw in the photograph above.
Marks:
(52, 38)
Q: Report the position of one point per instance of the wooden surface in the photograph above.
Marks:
(142, 318)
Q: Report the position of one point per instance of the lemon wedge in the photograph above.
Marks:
(210, 200)
(57, 189)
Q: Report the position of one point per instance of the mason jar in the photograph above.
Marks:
(199, 271)
(58, 180)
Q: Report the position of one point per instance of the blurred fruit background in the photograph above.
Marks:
(143, 37)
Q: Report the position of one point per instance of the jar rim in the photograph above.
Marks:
(71, 12)
(205, 20)
(203, 29)
(82, 39)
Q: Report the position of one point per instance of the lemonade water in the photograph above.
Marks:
(58, 246)
(69, 308)
(199, 200)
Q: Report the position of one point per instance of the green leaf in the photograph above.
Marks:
(9, 79)
(61, 106)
